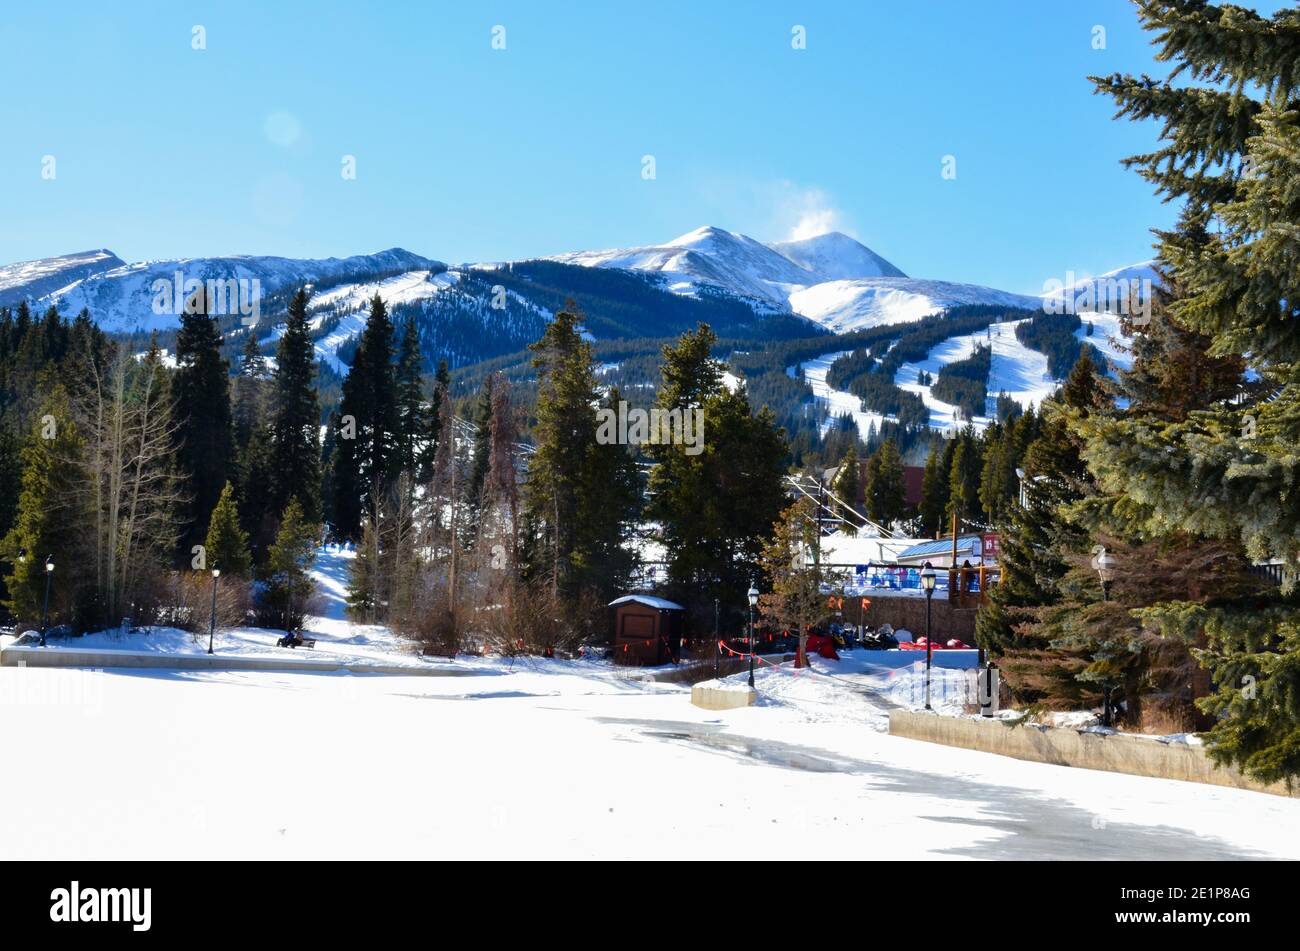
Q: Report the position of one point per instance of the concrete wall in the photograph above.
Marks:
(717, 698)
(293, 661)
(1116, 753)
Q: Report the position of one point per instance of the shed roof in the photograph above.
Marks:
(965, 543)
(663, 604)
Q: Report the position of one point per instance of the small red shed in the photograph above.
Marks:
(647, 629)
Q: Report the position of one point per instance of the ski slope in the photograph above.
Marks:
(1013, 367)
(1019, 371)
(837, 402)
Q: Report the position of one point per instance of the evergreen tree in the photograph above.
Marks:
(365, 575)
(51, 519)
(248, 398)
(964, 481)
(201, 390)
(411, 423)
(290, 586)
(1038, 546)
(716, 506)
(367, 455)
(258, 513)
(845, 486)
(564, 435)
(886, 493)
(252, 362)
(482, 443)
(295, 453)
(1231, 155)
(227, 543)
(608, 506)
(934, 490)
(441, 386)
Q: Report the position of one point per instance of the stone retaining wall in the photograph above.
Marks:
(1116, 753)
(294, 662)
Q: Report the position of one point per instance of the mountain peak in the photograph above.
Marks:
(29, 280)
(834, 256)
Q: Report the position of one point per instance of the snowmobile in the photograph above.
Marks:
(880, 639)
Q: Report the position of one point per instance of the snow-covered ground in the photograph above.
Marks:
(559, 759)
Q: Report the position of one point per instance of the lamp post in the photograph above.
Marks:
(927, 584)
(1105, 564)
(45, 611)
(717, 641)
(212, 626)
(753, 646)
(22, 556)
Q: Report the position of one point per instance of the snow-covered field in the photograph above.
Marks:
(571, 759)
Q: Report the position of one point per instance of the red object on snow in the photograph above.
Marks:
(820, 644)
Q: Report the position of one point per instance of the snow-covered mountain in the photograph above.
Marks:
(1092, 293)
(466, 313)
(831, 279)
(35, 279)
(836, 257)
(843, 306)
(708, 255)
(121, 298)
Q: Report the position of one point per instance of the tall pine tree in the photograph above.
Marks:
(201, 390)
(295, 452)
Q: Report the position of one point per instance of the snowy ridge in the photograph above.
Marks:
(1102, 287)
(836, 257)
(121, 299)
(29, 280)
(844, 306)
(709, 255)
(831, 279)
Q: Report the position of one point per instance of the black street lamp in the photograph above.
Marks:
(212, 627)
(927, 584)
(717, 641)
(753, 645)
(1105, 564)
(45, 611)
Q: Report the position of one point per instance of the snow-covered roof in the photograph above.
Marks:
(663, 604)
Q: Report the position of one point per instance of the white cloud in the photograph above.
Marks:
(807, 211)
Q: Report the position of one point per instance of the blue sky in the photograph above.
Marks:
(466, 153)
